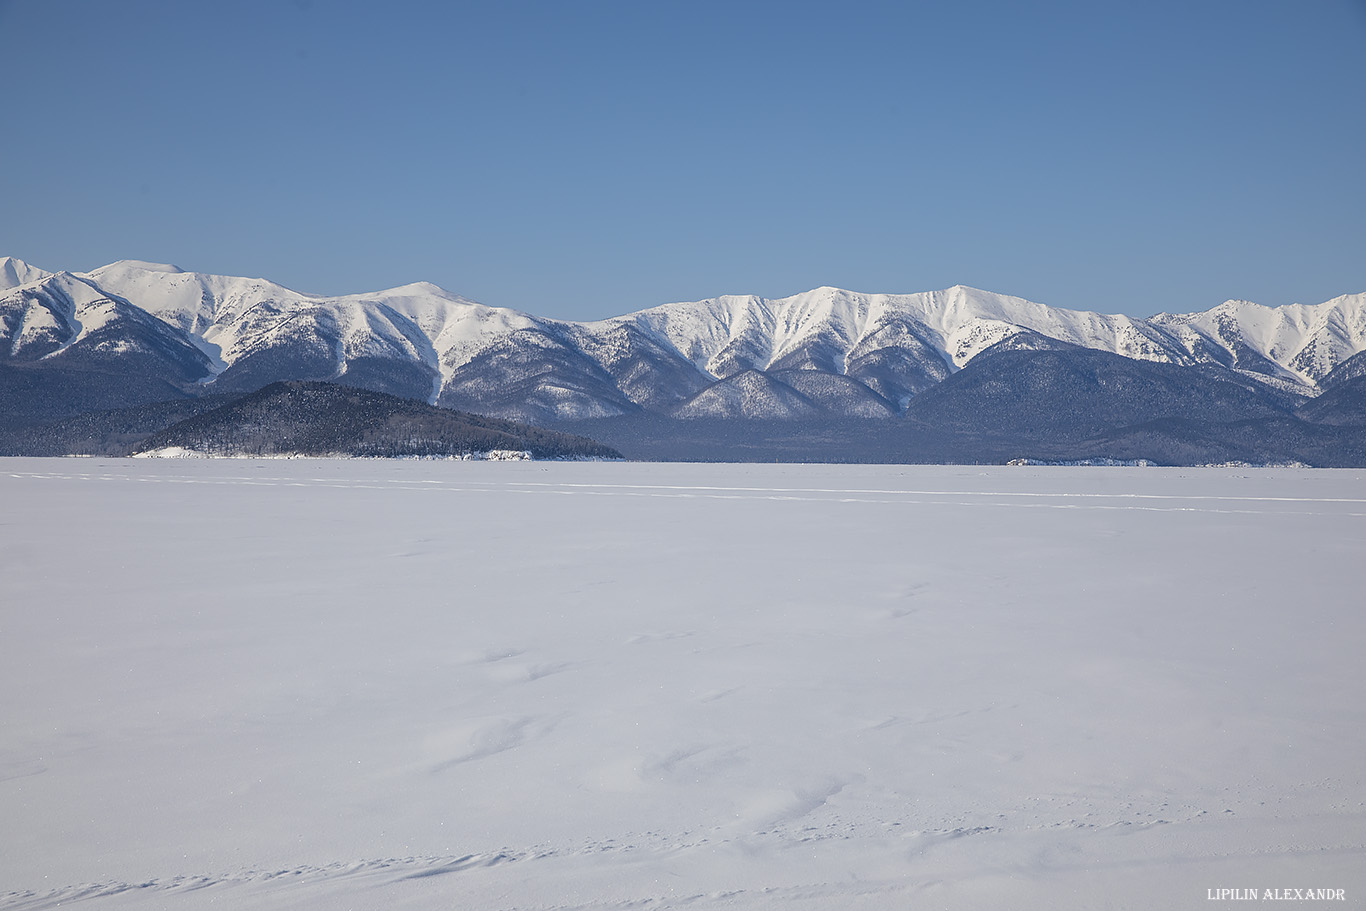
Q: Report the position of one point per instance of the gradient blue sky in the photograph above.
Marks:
(584, 159)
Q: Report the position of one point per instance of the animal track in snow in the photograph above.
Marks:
(640, 638)
(477, 739)
(511, 672)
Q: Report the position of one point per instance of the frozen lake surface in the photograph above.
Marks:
(361, 684)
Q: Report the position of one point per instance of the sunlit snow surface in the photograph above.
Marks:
(363, 684)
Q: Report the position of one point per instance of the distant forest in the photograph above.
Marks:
(296, 418)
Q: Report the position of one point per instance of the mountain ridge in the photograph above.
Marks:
(827, 349)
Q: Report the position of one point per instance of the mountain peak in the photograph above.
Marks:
(15, 272)
(417, 289)
(143, 266)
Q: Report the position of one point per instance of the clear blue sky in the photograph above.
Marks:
(583, 159)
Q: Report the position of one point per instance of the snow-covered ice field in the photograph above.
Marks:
(362, 684)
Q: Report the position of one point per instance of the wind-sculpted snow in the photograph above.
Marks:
(421, 341)
(328, 684)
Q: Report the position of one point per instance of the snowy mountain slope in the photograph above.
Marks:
(1301, 342)
(68, 316)
(16, 272)
(68, 346)
(819, 329)
(534, 374)
(826, 328)
(751, 394)
(649, 371)
(39, 319)
(839, 395)
(235, 318)
(836, 350)
(1350, 369)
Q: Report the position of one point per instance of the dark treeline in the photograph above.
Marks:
(326, 419)
(291, 418)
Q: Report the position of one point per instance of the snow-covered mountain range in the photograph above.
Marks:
(823, 352)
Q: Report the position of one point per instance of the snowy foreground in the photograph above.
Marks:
(362, 684)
